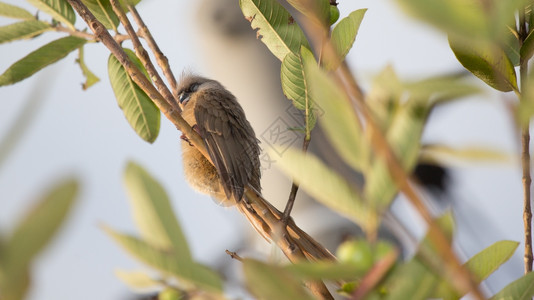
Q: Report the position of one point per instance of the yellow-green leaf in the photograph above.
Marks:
(137, 279)
(90, 77)
(153, 212)
(103, 11)
(275, 26)
(58, 9)
(15, 12)
(22, 30)
(40, 58)
(272, 282)
(326, 186)
(344, 35)
(142, 114)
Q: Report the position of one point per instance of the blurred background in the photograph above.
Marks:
(69, 132)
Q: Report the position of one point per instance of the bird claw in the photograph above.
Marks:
(185, 138)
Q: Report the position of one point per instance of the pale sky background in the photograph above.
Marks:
(84, 134)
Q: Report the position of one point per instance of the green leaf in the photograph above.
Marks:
(137, 279)
(22, 30)
(153, 212)
(462, 17)
(481, 266)
(339, 120)
(487, 62)
(449, 156)
(15, 12)
(344, 35)
(189, 272)
(511, 47)
(527, 50)
(142, 114)
(275, 26)
(297, 88)
(103, 11)
(326, 186)
(40, 225)
(58, 9)
(412, 280)
(272, 282)
(90, 77)
(40, 58)
(521, 289)
(317, 10)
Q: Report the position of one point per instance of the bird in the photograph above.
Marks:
(216, 115)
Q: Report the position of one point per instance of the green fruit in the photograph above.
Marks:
(334, 14)
(357, 252)
(169, 294)
(382, 248)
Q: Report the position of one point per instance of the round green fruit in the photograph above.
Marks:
(357, 252)
(334, 14)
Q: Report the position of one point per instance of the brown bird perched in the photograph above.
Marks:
(218, 118)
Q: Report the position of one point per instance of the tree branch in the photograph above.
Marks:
(143, 56)
(294, 188)
(162, 60)
(525, 151)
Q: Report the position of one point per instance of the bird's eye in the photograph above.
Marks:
(185, 94)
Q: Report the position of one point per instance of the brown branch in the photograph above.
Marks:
(234, 255)
(525, 152)
(262, 215)
(161, 59)
(460, 277)
(143, 56)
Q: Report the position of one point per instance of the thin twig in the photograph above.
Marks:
(455, 272)
(161, 59)
(234, 255)
(294, 188)
(76, 33)
(262, 215)
(143, 56)
(525, 151)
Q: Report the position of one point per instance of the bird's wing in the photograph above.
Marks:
(229, 139)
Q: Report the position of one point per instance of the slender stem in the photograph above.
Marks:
(143, 56)
(76, 33)
(525, 151)
(162, 60)
(294, 189)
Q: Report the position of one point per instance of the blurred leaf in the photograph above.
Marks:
(461, 17)
(412, 280)
(103, 12)
(481, 266)
(275, 26)
(40, 58)
(339, 120)
(326, 186)
(171, 294)
(90, 77)
(325, 270)
(272, 282)
(521, 289)
(14, 286)
(443, 153)
(438, 89)
(15, 12)
(527, 49)
(487, 62)
(296, 87)
(58, 9)
(40, 225)
(142, 114)
(153, 212)
(22, 30)
(168, 263)
(344, 35)
(137, 279)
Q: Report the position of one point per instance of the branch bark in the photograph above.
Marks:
(525, 152)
